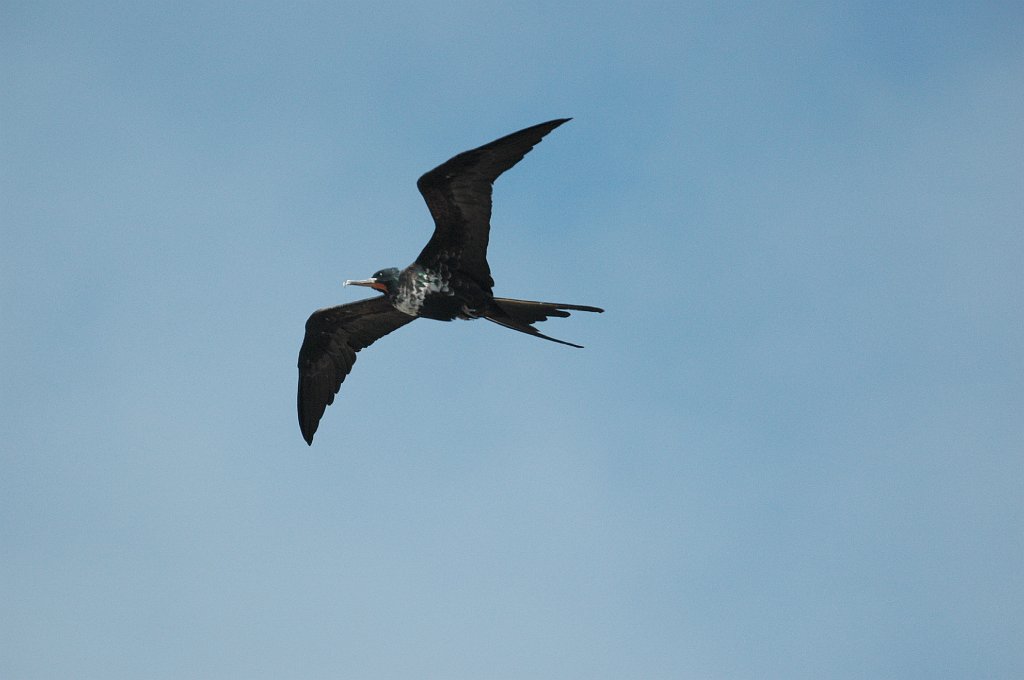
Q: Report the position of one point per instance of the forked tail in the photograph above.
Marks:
(520, 315)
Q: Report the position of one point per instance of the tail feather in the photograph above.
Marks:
(520, 315)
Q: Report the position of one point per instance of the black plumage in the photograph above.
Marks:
(450, 278)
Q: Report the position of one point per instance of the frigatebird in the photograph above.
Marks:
(450, 278)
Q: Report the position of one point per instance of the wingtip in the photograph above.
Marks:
(551, 124)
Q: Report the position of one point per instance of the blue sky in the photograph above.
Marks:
(792, 447)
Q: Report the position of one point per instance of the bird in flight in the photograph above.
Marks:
(450, 278)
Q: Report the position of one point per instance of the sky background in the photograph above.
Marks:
(792, 448)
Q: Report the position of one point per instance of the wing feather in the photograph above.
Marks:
(333, 336)
(458, 195)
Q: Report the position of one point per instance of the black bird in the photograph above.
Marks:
(450, 278)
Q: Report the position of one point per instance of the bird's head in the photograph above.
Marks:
(386, 281)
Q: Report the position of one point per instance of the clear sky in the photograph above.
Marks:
(792, 448)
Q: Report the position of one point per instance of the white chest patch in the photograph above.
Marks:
(410, 297)
(407, 305)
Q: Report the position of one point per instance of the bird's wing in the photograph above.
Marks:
(458, 194)
(333, 336)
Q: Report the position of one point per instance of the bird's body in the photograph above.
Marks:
(450, 279)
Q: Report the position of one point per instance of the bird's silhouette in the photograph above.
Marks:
(450, 278)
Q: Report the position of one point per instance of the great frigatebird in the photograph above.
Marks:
(450, 278)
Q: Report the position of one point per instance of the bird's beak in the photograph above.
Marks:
(369, 283)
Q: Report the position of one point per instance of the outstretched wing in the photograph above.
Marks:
(333, 336)
(458, 194)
